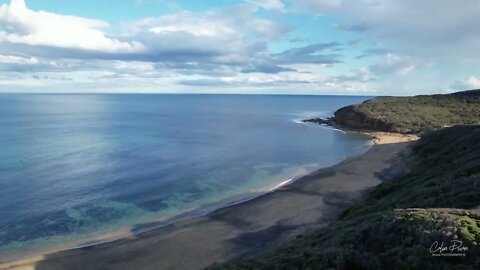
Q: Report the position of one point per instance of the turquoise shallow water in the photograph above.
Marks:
(74, 166)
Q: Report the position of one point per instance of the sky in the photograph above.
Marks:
(338, 47)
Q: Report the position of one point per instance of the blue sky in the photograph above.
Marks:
(351, 47)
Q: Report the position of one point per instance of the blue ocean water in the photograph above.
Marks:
(76, 166)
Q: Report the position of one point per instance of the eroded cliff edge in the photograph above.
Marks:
(410, 115)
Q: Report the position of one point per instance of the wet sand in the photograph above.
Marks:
(244, 229)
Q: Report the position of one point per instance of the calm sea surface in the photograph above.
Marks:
(76, 166)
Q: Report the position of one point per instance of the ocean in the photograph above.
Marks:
(75, 167)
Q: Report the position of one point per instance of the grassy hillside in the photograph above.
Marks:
(401, 219)
(413, 114)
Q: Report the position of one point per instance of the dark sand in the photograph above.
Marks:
(240, 230)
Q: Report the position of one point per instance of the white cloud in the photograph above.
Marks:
(194, 48)
(392, 64)
(318, 6)
(427, 28)
(191, 23)
(363, 75)
(268, 4)
(20, 25)
(470, 83)
(12, 63)
(10, 59)
(185, 42)
(307, 82)
(411, 44)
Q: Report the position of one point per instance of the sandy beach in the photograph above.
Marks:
(243, 229)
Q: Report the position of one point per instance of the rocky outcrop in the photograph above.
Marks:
(319, 120)
(409, 115)
(351, 117)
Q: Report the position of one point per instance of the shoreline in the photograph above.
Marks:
(377, 137)
(141, 228)
(137, 229)
(329, 211)
(128, 232)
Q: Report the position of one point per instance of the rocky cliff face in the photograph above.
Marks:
(415, 114)
(351, 117)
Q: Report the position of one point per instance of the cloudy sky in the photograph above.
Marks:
(354, 47)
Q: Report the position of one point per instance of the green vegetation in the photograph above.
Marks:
(414, 114)
(395, 227)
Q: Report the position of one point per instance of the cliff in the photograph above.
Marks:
(412, 114)
(355, 117)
